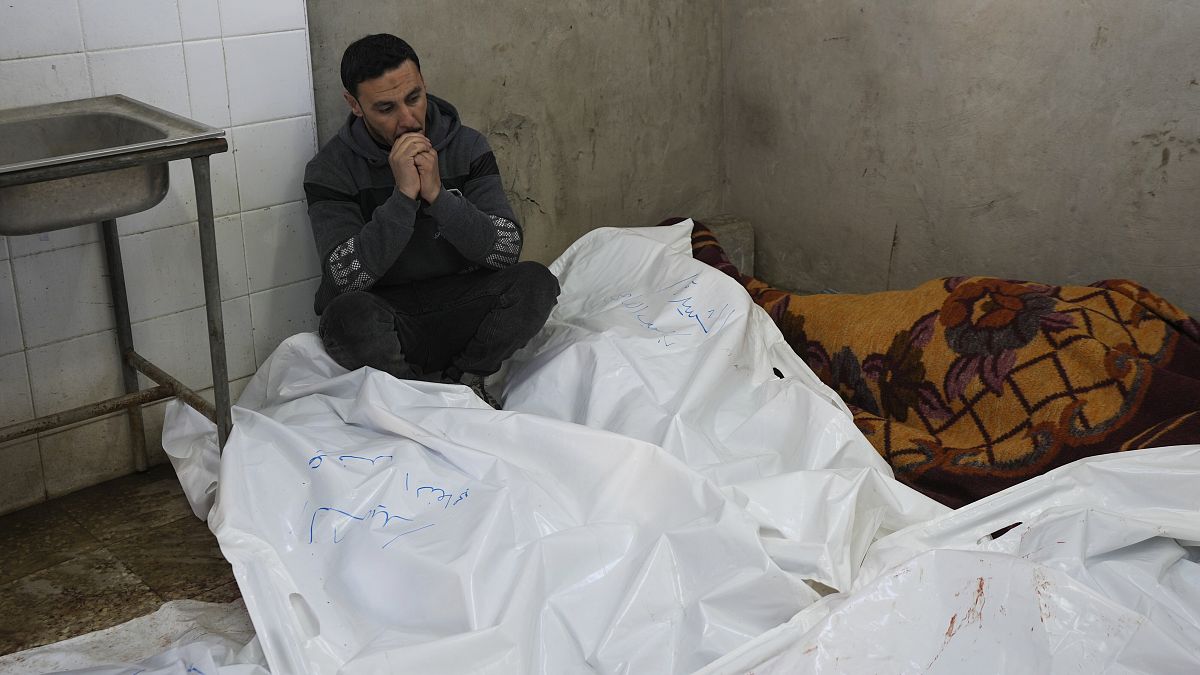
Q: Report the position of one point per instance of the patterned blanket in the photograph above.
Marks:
(968, 385)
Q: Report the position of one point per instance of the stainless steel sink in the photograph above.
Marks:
(96, 139)
(96, 160)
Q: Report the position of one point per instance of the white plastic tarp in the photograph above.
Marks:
(652, 344)
(665, 476)
(200, 638)
(377, 525)
(1101, 575)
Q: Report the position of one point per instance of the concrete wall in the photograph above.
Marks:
(239, 66)
(872, 144)
(877, 144)
(601, 114)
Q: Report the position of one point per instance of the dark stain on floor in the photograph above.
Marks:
(102, 556)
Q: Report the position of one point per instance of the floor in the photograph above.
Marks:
(102, 556)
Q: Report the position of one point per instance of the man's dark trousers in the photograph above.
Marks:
(440, 328)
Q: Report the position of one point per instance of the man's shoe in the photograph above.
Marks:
(475, 382)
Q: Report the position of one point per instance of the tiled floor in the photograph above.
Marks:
(102, 556)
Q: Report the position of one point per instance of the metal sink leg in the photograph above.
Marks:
(212, 296)
(116, 284)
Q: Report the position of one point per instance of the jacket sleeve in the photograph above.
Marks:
(354, 253)
(479, 222)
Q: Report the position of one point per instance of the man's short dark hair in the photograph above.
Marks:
(369, 57)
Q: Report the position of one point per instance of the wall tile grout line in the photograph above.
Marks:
(37, 438)
(83, 43)
(287, 118)
(281, 31)
(187, 76)
(238, 213)
(39, 57)
(85, 50)
(12, 274)
(179, 20)
(134, 323)
(237, 183)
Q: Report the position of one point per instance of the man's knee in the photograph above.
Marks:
(357, 329)
(351, 315)
(538, 285)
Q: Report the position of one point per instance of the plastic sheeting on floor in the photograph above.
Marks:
(666, 477)
(204, 637)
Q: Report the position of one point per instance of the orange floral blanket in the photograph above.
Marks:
(968, 385)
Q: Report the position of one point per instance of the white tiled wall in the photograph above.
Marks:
(240, 66)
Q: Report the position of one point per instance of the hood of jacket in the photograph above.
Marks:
(441, 126)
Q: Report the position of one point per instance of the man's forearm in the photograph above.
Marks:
(359, 254)
(490, 239)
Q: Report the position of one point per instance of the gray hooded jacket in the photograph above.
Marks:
(370, 235)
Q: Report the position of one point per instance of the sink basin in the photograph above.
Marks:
(96, 135)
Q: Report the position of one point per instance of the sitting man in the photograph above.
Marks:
(417, 242)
